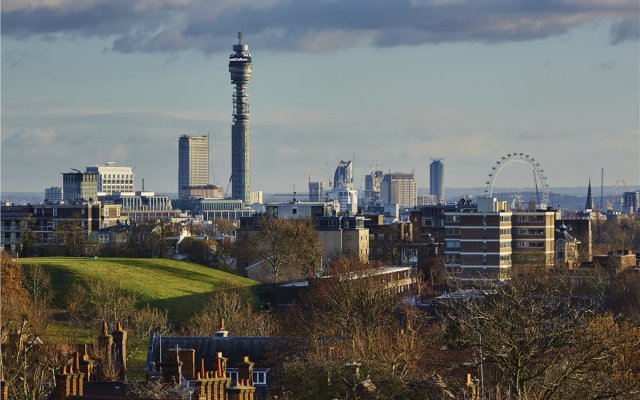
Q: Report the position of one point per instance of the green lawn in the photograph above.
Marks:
(178, 286)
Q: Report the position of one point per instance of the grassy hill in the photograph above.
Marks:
(181, 287)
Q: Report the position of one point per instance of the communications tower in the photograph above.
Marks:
(240, 69)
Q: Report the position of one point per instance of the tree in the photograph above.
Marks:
(530, 342)
(28, 238)
(363, 343)
(198, 251)
(240, 318)
(290, 247)
(71, 237)
(148, 240)
(28, 366)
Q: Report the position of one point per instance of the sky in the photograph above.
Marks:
(392, 83)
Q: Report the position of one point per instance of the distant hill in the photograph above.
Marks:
(178, 286)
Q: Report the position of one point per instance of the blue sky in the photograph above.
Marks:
(90, 81)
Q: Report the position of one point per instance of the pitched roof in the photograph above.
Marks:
(263, 350)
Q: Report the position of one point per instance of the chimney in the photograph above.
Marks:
(474, 389)
(120, 351)
(220, 366)
(245, 372)
(85, 364)
(243, 389)
(188, 359)
(172, 367)
(69, 383)
(105, 349)
(221, 332)
(4, 388)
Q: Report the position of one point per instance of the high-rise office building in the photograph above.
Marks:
(53, 194)
(436, 180)
(193, 163)
(316, 191)
(399, 188)
(78, 185)
(113, 178)
(343, 177)
(240, 68)
(372, 183)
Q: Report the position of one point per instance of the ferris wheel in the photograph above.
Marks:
(539, 179)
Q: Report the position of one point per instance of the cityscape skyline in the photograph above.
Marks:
(567, 95)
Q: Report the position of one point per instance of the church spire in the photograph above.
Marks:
(589, 205)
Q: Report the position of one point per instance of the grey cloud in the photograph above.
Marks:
(605, 65)
(311, 25)
(527, 135)
(626, 29)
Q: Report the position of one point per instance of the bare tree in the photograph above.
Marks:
(364, 343)
(530, 342)
(240, 318)
(290, 247)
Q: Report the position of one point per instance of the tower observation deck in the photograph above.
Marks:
(240, 69)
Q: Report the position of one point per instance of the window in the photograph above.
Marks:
(452, 218)
(233, 375)
(260, 377)
(453, 244)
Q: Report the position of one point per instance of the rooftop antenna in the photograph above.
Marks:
(240, 37)
(143, 184)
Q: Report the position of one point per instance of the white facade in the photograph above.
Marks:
(113, 178)
(256, 197)
(347, 198)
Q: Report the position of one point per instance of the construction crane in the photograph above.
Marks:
(615, 201)
(226, 190)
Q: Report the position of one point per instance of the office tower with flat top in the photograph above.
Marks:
(240, 69)
(436, 180)
(193, 163)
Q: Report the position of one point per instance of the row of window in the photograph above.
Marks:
(259, 377)
(531, 231)
(522, 244)
(530, 218)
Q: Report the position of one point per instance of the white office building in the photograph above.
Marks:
(112, 178)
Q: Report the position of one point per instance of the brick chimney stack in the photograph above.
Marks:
(105, 350)
(4, 388)
(172, 367)
(221, 332)
(120, 351)
(243, 388)
(212, 385)
(473, 388)
(69, 383)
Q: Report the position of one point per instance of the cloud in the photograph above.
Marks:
(309, 26)
(527, 135)
(30, 138)
(605, 65)
(627, 29)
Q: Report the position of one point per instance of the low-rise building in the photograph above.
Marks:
(343, 235)
(302, 209)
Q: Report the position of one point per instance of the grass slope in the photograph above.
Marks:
(177, 286)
